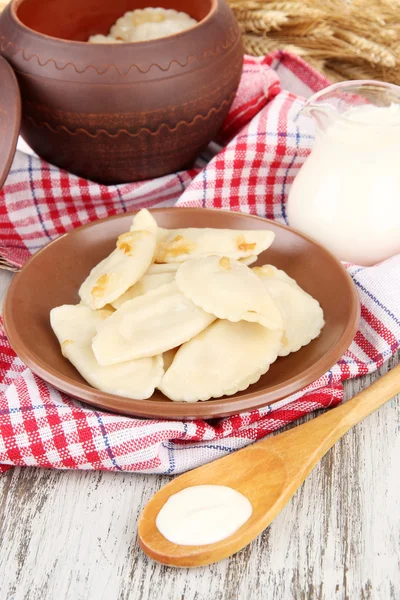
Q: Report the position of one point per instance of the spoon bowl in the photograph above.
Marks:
(243, 475)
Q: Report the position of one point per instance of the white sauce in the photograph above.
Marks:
(347, 193)
(203, 514)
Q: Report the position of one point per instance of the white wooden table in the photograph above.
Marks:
(72, 535)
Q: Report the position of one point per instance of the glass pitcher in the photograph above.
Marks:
(347, 193)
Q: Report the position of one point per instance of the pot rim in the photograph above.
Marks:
(15, 4)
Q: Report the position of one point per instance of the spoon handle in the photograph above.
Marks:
(305, 445)
(370, 399)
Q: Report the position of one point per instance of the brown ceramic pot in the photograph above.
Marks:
(123, 112)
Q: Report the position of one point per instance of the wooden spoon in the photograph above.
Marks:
(268, 473)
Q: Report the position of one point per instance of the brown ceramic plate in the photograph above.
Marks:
(53, 276)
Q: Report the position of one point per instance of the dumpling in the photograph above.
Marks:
(75, 328)
(144, 220)
(132, 257)
(162, 268)
(224, 359)
(103, 39)
(144, 285)
(302, 314)
(144, 24)
(229, 290)
(156, 268)
(271, 272)
(248, 260)
(177, 245)
(149, 325)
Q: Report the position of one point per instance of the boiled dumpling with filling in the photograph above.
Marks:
(271, 272)
(144, 220)
(224, 359)
(145, 284)
(229, 290)
(75, 328)
(302, 314)
(149, 325)
(178, 245)
(131, 258)
(248, 260)
(156, 269)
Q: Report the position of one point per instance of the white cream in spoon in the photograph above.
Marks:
(203, 514)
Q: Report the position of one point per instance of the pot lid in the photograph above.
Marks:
(10, 117)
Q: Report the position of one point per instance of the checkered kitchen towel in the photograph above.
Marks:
(262, 146)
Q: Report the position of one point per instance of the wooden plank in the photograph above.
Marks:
(73, 534)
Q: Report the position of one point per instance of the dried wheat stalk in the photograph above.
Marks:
(354, 39)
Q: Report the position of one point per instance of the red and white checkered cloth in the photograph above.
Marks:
(263, 146)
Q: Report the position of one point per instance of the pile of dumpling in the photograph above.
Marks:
(144, 24)
(181, 310)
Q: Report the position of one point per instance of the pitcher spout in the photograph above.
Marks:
(335, 102)
(321, 112)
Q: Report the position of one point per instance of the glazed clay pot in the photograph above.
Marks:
(123, 112)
